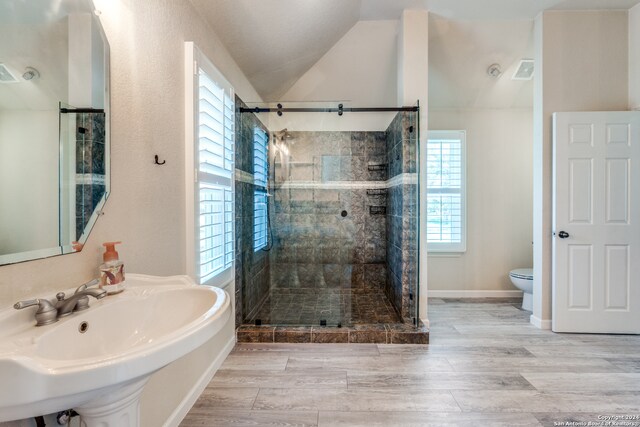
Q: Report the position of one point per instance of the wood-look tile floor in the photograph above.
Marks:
(485, 366)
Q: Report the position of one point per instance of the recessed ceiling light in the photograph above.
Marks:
(30, 73)
(494, 70)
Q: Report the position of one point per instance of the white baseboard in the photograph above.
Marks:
(183, 408)
(540, 323)
(425, 322)
(474, 294)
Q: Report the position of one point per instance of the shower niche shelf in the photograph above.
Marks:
(377, 166)
(377, 210)
(377, 192)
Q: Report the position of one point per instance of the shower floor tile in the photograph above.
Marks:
(351, 316)
(308, 307)
(312, 315)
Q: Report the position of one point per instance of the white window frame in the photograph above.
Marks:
(452, 247)
(194, 61)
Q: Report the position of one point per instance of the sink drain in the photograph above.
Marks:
(83, 327)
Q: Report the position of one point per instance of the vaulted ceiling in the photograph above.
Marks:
(276, 41)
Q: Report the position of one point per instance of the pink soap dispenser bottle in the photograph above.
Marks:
(112, 271)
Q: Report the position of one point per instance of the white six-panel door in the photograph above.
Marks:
(596, 222)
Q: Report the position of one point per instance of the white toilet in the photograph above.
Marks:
(522, 278)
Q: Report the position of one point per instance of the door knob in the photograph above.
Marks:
(563, 234)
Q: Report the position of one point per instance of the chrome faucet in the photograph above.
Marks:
(79, 300)
(48, 313)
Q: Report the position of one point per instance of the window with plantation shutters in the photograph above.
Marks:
(260, 174)
(445, 179)
(212, 189)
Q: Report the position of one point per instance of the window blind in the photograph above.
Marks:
(260, 220)
(260, 140)
(446, 191)
(215, 163)
(260, 176)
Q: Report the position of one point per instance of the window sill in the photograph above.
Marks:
(444, 254)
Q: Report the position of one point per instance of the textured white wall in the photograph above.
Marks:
(583, 58)
(145, 209)
(499, 200)
(634, 58)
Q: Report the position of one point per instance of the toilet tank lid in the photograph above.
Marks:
(522, 273)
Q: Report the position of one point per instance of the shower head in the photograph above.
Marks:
(283, 134)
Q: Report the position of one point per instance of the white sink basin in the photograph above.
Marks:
(128, 337)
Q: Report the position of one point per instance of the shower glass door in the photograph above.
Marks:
(334, 254)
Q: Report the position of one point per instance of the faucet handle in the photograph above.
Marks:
(83, 302)
(27, 303)
(60, 296)
(46, 313)
(87, 285)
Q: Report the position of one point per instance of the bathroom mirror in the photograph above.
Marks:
(54, 126)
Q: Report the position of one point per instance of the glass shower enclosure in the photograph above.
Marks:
(326, 215)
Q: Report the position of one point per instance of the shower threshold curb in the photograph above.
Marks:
(388, 333)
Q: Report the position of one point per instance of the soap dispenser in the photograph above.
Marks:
(112, 271)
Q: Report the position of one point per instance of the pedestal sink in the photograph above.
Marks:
(97, 361)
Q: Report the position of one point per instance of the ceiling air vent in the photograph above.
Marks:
(524, 71)
(6, 76)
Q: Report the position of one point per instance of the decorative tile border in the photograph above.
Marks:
(391, 333)
(243, 176)
(401, 179)
(330, 185)
(89, 179)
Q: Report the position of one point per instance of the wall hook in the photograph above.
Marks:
(160, 163)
